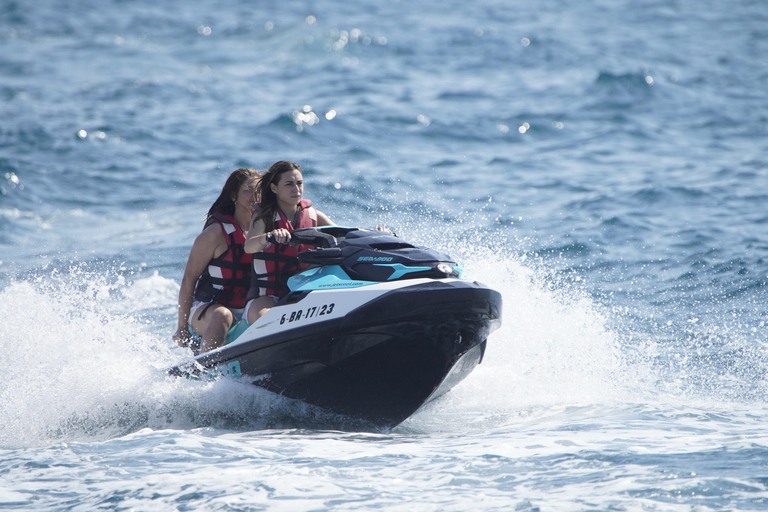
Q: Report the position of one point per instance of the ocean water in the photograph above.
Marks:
(604, 165)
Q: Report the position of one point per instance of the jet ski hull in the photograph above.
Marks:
(378, 362)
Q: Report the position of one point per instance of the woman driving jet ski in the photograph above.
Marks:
(282, 209)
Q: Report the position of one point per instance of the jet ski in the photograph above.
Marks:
(372, 330)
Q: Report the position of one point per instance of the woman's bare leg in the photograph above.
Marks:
(258, 307)
(213, 326)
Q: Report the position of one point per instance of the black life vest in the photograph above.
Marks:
(226, 279)
(277, 262)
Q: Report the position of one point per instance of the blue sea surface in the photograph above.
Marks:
(604, 165)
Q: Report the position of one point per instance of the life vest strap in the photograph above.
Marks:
(232, 288)
(272, 256)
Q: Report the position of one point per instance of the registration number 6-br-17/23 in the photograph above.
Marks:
(299, 314)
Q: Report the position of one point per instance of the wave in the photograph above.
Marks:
(85, 358)
(622, 91)
(85, 351)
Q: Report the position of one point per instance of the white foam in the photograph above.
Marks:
(75, 366)
(555, 347)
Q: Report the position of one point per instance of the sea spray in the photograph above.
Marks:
(79, 363)
(65, 357)
(554, 350)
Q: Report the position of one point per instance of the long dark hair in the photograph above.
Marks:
(268, 205)
(225, 203)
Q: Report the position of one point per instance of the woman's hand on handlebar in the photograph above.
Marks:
(386, 230)
(280, 235)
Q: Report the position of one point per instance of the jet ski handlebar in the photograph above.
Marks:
(308, 236)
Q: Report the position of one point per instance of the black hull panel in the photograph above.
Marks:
(382, 361)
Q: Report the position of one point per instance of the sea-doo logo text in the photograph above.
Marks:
(375, 258)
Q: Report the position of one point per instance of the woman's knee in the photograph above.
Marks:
(221, 315)
(257, 307)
